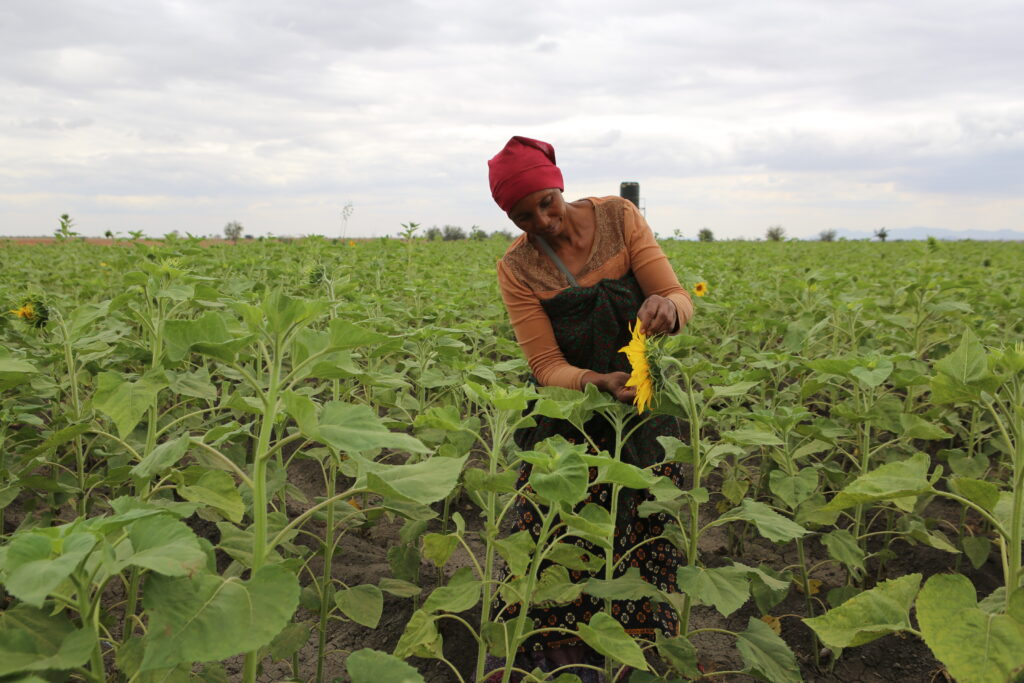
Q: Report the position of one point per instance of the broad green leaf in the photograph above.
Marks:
(675, 450)
(37, 562)
(196, 384)
(874, 373)
(399, 588)
(208, 618)
(888, 482)
(976, 647)
(420, 637)
(842, 546)
(554, 586)
(362, 604)
(284, 312)
(769, 587)
(607, 636)
(439, 547)
(566, 483)
(737, 389)
(461, 592)
(869, 615)
(126, 402)
(164, 545)
(977, 549)
(355, 428)
(945, 389)
(766, 655)
(679, 653)
(371, 666)
(61, 437)
(238, 542)
(216, 489)
(593, 523)
(425, 482)
(915, 427)
(34, 640)
(727, 588)
(752, 437)
(517, 551)
(571, 556)
(346, 335)
(769, 523)
(966, 364)
(129, 659)
(793, 489)
(618, 472)
(208, 335)
(304, 411)
(834, 366)
(161, 458)
(289, 641)
(14, 371)
(629, 586)
(978, 491)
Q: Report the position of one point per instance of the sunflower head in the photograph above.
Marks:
(32, 311)
(701, 288)
(639, 351)
(316, 274)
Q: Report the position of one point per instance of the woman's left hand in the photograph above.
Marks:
(658, 315)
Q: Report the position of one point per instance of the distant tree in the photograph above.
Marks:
(233, 231)
(705, 235)
(433, 233)
(827, 235)
(504, 234)
(453, 232)
(64, 231)
(881, 234)
(775, 233)
(475, 233)
(109, 235)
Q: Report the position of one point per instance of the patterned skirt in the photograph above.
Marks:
(656, 560)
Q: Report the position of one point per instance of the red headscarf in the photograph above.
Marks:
(525, 165)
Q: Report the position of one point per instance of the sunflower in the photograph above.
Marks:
(701, 288)
(34, 312)
(636, 352)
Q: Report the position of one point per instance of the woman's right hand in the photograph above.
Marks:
(613, 383)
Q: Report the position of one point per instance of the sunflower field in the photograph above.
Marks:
(293, 460)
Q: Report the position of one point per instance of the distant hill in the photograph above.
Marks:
(921, 233)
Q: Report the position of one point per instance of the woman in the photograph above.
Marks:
(573, 283)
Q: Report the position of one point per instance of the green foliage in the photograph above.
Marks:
(829, 398)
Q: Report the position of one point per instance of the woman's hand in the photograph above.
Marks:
(613, 383)
(658, 315)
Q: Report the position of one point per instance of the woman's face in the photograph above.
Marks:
(540, 213)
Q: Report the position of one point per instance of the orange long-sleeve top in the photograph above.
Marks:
(526, 276)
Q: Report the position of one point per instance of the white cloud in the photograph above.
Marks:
(733, 115)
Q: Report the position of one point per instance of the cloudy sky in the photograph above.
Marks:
(186, 114)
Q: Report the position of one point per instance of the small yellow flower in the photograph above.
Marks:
(33, 311)
(636, 352)
(351, 243)
(103, 264)
(701, 288)
(26, 312)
